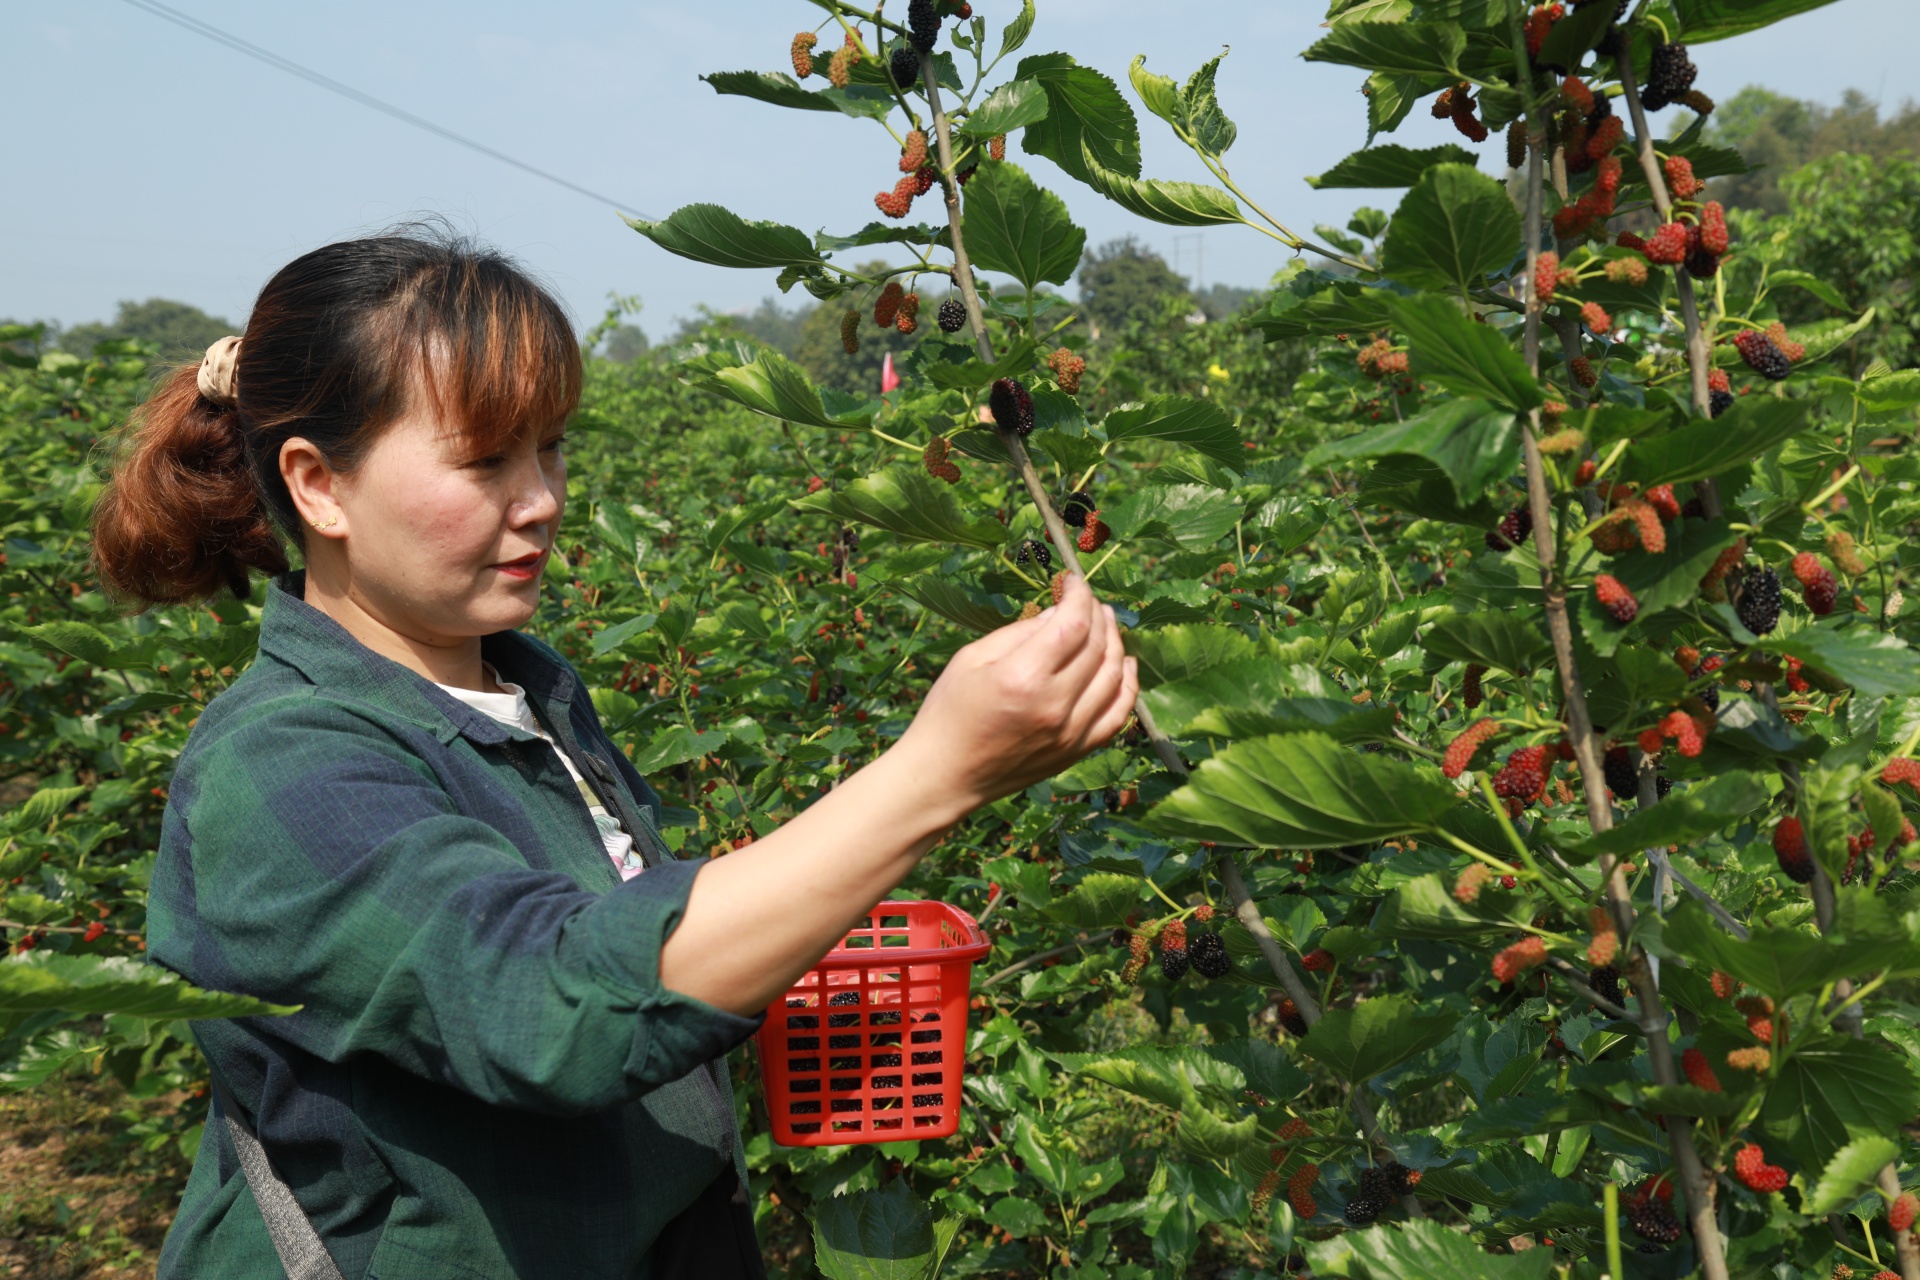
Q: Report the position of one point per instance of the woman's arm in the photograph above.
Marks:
(1012, 708)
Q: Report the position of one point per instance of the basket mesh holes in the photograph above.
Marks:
(845, 1084)
(927, 1077)
(804, 1086)
(893, 1082)
(850, 1062)
(888, 1124)
(848, 1104)
(884, 1038)
(929, 1058)
(803, 1022)
(925, 1037)
(843, 1042)
(806, 1126)
(891, 1019)
(885, 1060)
(804, 1107)
(803, 1064)
(803, 1042)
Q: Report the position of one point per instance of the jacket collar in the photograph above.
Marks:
(327, 654)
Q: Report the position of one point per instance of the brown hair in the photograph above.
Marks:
(339, 342)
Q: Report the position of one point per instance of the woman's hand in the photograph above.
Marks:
(1028, 700)
(1010, 709)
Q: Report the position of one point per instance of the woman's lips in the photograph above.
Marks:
(524, 568)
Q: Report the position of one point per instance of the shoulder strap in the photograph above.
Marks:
(294, 1239)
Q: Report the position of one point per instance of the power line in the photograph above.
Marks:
(211, 32)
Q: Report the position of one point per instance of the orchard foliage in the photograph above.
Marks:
(1443, 915)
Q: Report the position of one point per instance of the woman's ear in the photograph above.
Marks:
(310, 482)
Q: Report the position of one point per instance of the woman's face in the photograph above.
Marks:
(444, 545)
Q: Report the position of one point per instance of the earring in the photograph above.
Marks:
(327, 523)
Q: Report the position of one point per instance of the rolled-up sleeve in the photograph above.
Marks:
(331, 869)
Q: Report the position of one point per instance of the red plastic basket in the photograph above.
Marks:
(868, 1046)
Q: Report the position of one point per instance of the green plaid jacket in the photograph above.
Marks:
(486, 1077)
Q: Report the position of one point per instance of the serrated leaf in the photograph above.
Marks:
(1256, 696)
(1424, 1250)
(1708, 446)
(677, 745)
(1017, 227)
(613, 637)
(1175, 653)
(1301, 791)
(1503, 641)
(1425, 908)
(1682, 818)
(770, 384)
(1390, 165)
(1084, 109)
(1874, 663)
(1374, 1036)
(1570, 38)
(1177, 204)
(1190, 516)
(44, 805)
(1015, 33)
(1782, 961)
(1451, 230)
(884, 1234)
(1340, 309)
(1706, 20)
(1013, 105)
(87, 643)
(41, 981)
(1476, 444)
(718, 236)
(908, 503)
(1851, 1171)
(1834, 1090)
(1212, 132)
(1200, 425)
(1464, 355)
(1207, 1136)
(1101, 900)
(782, 90)
(955, 601)
(1394, 48)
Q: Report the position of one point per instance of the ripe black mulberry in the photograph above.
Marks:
(923, 26)
(1032, 551)
(1669, 78)
(905, 66)
(1012, 406)
(1759, 606)
(952, 315)
(1209, 954)
(1718, 402)
(1363, 1209)
(1076, 507)
(1761, 355)
(1513, 529)
(1173, 963)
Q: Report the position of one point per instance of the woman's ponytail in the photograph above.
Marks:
(182, 517)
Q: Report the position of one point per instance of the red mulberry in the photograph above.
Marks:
(1067, 368)
(1699, 1071)
(1790, 847)
(1582, 369)
(897, 203)
(1615, 598)
(1751, 1168)
(1631, 271)
(1714, 236)
(1524, 776)
(1528, 953)
(1596, 318)
(1300, 1190)
(997, 147)
(1539, 23)
(1546, 274)
(1513, 529)
(1761, 355)
(1668, 245)
(906, 321)
(887, 306)
(1461, 750)
(850, 332)
(1680, 180)
(913, 157)
(802, 53)
(1093, 534)
(1609, 135)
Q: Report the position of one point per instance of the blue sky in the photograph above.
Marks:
(143, 160)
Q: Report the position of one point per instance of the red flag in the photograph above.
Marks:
(888, 378)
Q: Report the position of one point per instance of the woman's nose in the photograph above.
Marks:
(535, 501)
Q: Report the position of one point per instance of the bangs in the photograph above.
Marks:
(495, 355)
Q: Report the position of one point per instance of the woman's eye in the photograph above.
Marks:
(555, 445)
(493, 460)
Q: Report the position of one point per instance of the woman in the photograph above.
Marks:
(406, 819)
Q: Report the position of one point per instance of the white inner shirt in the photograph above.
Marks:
(511, 708)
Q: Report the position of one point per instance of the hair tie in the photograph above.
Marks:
(217, 371)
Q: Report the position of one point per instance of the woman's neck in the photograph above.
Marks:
(450, 660)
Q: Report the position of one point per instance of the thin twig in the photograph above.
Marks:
(1044, 956)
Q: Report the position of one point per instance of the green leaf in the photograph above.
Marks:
(1505, 641)
(782, 90)
(44, 805)
(677, 745)
(1177, 204)
(1391, 165)
(613, 637)
(770, 384)
(1475, 443)
(1708, 446)
(1200, 425)
(1890, 391)
(920, 233)
(1207, 124)
(1394, 48)
(1425, 1250)
(1374, 1036)
(953, 600)
(1256, 696)
(40, 981)
(1786, 961)
(1451, 230)
(1015, 33)
(1288, 523)
(1207, 1136)
(1851, 1171)
(1874, 663)
(1425, 908)
(1084, 108)
(1464, 355)
(1190, 516)
(1101, 900)
(89, 644)
(1174, 653)
(1389, 100)
(887, 1234)
(1019, 228)
(1013, 105)
(708, 233)
(1782, 278)
(1343, 308)
(1706, 20)
(1834, 1090)
(908, 503)
(1301, 791)
(1682, 818)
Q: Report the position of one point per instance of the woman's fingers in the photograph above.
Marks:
(1096, 699)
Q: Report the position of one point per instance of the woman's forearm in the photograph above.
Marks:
(761, 916)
